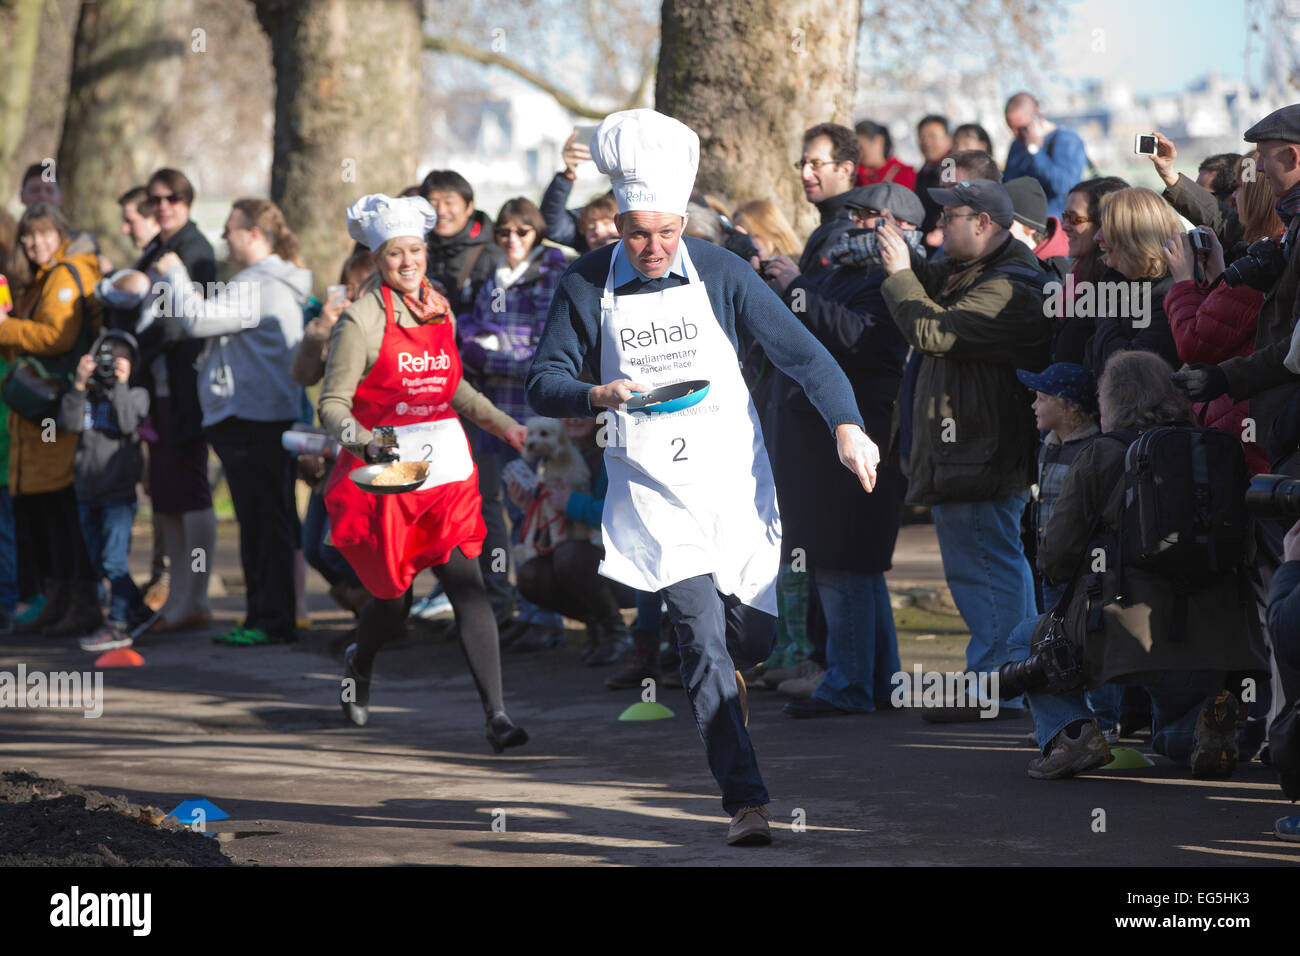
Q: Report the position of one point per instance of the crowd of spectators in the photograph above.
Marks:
(997, 321)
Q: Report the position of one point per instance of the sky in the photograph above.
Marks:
(1159, 46)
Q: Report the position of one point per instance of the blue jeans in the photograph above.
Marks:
(324, 557)
(984, 563)
(1176, 700)
(862, 647)
(8, 551)
(106, 526)
(715, 635)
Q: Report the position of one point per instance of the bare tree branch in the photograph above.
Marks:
(488, 58)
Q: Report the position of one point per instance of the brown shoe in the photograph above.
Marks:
(199, 619)
(744, 696)
(749, 828)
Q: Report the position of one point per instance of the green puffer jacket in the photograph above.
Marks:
(975, 323)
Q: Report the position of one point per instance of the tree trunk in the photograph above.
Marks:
(346, 114)
(20, 29)
(122, 107)
(750, 76)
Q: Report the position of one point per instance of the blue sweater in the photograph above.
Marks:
(1058, 165)
(572, 333)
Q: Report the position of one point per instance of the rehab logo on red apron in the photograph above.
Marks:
(388, 539)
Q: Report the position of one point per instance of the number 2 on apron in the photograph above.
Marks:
(442, 444)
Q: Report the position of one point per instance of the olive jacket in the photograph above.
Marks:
(1134, 634)
(974, 324)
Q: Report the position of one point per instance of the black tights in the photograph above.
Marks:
(463, 582)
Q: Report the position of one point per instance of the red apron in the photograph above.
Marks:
(388, 539)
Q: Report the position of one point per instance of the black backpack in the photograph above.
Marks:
(1183, 507)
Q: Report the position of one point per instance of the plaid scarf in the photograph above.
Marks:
(428, 306)
(1288, 206)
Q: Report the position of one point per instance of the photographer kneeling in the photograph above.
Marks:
(1186, 643)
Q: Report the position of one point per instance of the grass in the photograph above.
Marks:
(935, 641)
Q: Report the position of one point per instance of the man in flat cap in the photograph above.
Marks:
(1263, 376)
(690, 511)
(975, 316)
(847, 543)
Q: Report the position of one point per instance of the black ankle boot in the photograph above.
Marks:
(502, 733)
(357, 710)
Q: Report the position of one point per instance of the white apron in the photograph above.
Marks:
(690, 492)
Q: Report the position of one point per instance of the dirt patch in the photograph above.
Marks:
(51, 823)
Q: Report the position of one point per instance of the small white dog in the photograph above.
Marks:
(559, 464)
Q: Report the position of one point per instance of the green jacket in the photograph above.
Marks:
(973, 434)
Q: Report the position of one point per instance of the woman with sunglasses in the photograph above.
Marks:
(1079, 222)
(497, 342)
(178, 452)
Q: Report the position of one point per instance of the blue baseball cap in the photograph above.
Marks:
(1066, 380)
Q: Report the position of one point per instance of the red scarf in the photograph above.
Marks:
(429, 305)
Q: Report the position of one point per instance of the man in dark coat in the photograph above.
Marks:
(462, 255)
(847, 543)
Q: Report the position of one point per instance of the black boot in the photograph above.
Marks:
(357, 710)
(503, 733)
(81, 612)
(610, 641)
(643, 663)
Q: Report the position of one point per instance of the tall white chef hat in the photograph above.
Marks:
(650, 158)
(376, 218)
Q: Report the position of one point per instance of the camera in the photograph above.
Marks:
(1200, 241)
(1145, 144)
(1258, 267)
(105, 374)
(742, 244)
(1054, 666)
(1273, 496)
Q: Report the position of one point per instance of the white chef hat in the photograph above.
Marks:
(650, 158)
(376, 218)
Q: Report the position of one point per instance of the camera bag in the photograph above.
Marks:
(1183, 511)
(33, 388)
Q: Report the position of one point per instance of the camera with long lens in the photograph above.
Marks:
(105, 374)
(1055, 667)
(1273, 496)
(1259, 266)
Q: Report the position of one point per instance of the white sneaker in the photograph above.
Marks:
(802, 686)
(433, 607)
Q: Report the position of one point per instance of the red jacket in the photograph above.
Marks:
(1210, 327)
(892, 172)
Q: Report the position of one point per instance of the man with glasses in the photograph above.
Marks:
(975, 317)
